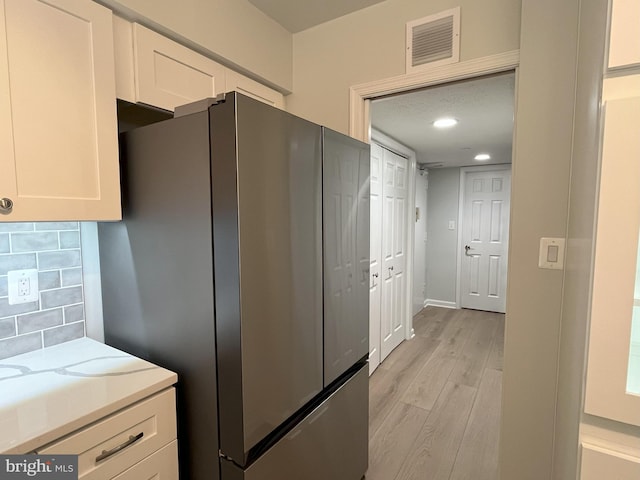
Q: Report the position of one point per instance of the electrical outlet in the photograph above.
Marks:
(23, 286)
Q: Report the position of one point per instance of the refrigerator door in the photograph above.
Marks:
(331, 443)
(157, 281)
(267, 210)
(346, 164)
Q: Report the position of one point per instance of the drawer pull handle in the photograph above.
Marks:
(107, 453)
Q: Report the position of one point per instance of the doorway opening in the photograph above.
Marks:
(439, 229)
(456, 244)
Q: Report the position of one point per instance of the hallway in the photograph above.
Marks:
(434, 403)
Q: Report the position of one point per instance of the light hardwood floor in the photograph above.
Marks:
(434, 403)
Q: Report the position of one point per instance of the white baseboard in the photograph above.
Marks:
(439, 303)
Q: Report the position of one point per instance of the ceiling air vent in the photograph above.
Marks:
(433, 40)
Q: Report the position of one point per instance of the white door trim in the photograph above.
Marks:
(463, 176)
(359, 95)
(410, 155)
(391, 144)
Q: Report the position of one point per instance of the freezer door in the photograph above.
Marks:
(331, 443)
(346, 164)
(267, 186)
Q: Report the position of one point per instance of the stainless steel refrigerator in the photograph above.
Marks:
(242, 264)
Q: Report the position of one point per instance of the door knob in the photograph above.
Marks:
(466, 250)
(6, 206)
(375, 275)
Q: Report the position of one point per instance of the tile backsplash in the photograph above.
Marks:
(53, 248)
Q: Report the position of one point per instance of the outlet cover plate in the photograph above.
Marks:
(23, 286)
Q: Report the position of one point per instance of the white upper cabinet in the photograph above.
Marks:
(253, 89)
(613, 373)
(612, 390)
(168, 74)
(624, 42)
(611, 378)
(155, 70)
(124, 63)
(58, 130)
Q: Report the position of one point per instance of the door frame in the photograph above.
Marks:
(463, 179)
(390, 144)
(360, 97)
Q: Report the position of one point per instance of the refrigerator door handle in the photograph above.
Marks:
(316, 415)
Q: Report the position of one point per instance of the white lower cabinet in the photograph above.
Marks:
(162, 465)
(127, 444)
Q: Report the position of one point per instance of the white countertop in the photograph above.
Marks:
(50, 393)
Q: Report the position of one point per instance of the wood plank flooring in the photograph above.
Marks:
(434, 403)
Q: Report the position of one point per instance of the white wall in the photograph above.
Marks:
(369, 45)
(419, 251)
(442, 243)
(539, 202)
(233, 31)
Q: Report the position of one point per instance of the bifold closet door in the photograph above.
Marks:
(388, 276)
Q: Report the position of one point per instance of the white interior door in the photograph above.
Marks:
(375, 256)
(394, 251)
(485, 236)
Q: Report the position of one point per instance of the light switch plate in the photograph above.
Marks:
(551, 254)
(23, 286)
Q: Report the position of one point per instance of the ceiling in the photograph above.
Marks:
(483, 107)
(298, 15)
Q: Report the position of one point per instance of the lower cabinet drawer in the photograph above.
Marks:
(118, 442)
(162, 465)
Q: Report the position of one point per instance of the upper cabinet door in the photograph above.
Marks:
(253, 89)
(58, 128)
(613, 374)
(624, 43)
(168, 74)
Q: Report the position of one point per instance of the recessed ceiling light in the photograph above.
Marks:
(445, 122)
(482, 156)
